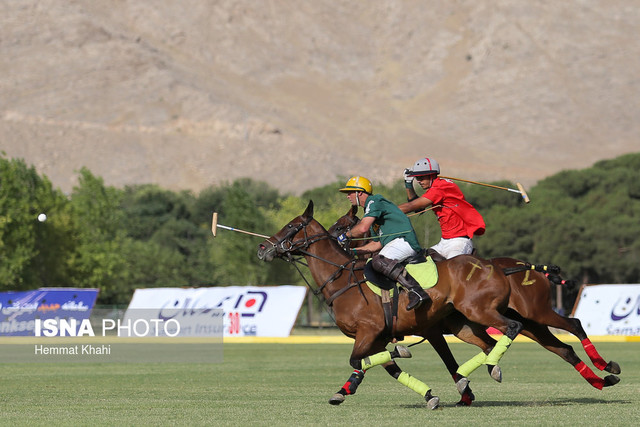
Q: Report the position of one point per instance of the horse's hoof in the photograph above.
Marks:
(337, 399)
(612, 367)
(462, 384)
(610, 380)
(495, 372)
(401, 352)
(433, 402)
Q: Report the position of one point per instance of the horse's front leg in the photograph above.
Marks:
(361, 363)
(348, 388)
(361, 366)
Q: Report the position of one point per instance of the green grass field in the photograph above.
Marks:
(290, 384)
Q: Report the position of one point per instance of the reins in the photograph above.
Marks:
(301, 246)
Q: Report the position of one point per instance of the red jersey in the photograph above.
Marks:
(456, 216)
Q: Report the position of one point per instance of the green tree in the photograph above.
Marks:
(32, 253)
(147, 208)
(98, 260)
(234, 254)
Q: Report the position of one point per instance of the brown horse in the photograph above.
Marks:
(530, 303)
(466, 284)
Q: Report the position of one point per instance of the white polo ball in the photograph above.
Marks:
(42, 217)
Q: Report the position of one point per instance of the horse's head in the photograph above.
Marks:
(344, 223)
(292, 238)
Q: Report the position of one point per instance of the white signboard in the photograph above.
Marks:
(267, 311)
(609, 309)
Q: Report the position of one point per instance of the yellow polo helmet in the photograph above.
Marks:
(358, 183)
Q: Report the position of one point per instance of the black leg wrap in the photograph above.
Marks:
(393, 370)
(352, 383)
(513, 329)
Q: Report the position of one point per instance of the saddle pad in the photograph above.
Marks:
(426, 273)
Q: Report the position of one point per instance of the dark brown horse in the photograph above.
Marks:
(465, 284)
(530, 303)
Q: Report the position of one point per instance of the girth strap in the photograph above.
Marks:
(390, 309)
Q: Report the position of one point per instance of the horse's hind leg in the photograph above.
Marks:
(468, 332)
(544, 337)
(510, 329)
(441, 347)
(574, 326)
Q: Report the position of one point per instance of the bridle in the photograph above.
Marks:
(293, 251)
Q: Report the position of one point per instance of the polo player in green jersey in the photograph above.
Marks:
(395, 239)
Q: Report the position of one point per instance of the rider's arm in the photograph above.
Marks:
(370, 247)
(361, 227)
(415, 205)
(411, 194)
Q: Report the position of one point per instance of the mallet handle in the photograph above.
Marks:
(215, 226)
(480, 183)
(513, 190)
(241, 231)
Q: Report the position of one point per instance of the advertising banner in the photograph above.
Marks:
(19, 310)
(609, 309)
(266, 311)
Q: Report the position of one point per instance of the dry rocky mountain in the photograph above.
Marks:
(297, 93)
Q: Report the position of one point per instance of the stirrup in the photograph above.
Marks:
(415, 304)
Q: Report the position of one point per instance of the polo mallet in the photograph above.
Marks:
(215, 226)
(520, 189)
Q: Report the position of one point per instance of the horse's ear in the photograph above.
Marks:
(354, 211)
(308, 213)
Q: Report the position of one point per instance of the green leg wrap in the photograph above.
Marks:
(414, 384)
(498, 351)
(468, 367)
(375, 360)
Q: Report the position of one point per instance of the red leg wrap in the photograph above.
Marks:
(591, 351)
(345, 387)
(588, 375)
(466, 399)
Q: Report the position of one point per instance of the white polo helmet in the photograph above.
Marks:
(425, 166)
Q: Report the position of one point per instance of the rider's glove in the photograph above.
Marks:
(342, 239)
(408, 180)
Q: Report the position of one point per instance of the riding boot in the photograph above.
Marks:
(417, 295)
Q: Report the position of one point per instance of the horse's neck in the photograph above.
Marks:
(324, 261)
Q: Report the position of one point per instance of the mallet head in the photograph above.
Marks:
(214, 224)
(523, 193)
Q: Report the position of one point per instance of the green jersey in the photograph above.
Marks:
(390, 222)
